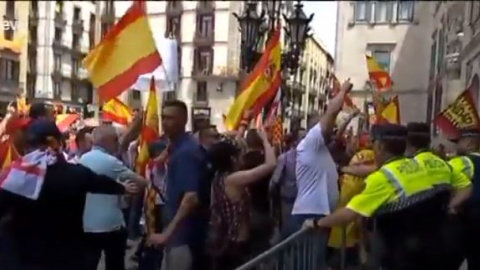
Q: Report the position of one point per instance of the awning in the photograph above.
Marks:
(14, 45)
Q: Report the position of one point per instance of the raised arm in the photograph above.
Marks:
(246, 177)
(327, 120)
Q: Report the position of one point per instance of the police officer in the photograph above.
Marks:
(468, 162)
(397, 196)
(418, 147)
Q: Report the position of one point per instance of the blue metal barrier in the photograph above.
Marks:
(297, 252)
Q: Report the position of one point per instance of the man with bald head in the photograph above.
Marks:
(103, 218)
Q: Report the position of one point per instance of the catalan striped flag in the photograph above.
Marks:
(379, 77)
(127, 51)
(261, 85)
(116, 111)
(150, 129)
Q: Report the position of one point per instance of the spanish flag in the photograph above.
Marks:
(261, 85)
(116, 111)
(150, 130)
(127, 51)
(8, 154)
(380, 78)
(391, 112)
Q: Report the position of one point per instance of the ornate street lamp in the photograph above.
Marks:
(250, 26)
(297, 27)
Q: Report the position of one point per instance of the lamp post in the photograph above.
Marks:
(253, 28)
(250, 26)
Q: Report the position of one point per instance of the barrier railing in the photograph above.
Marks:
(297, 252)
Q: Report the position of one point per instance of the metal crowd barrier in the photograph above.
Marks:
(297, 252)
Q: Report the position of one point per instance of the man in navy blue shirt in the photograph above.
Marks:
(183, 178)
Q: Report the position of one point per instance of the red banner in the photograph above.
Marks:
(459, 116)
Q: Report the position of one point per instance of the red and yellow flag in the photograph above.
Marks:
(127, 51)
(22, 106)
(116, 111)
(150, 129)
(380, 77)
(261, 85)
(390, 113)
(8, 154)
(459, 116)
(64, 121)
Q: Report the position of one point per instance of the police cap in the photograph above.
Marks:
(389, 131)
(418, 129)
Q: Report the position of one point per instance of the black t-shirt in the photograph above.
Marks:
(49, 231)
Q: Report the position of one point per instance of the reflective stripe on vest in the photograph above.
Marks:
(394, 181)
(467, 166)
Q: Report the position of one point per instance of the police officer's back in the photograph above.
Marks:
(397, 196)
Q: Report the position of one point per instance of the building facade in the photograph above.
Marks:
(13, 50)
(209, 53)
(315, 71)
(397, 34)
(61, 33)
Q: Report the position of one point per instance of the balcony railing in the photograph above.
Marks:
(77, 26)
(203, 40)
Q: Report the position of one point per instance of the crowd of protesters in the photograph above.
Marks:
(219, 199)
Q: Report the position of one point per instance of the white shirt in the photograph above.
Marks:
(317, 177)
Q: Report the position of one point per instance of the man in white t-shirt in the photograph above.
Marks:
(316, 172)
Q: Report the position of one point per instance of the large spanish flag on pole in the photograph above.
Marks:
(150, 130)
(380, 77)
(127, 51)
(260, 86)
(116, 111)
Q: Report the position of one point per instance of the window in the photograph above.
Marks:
(438, 103)
(10, 9)
(205, 60)
(201, 92)
(58, 34)
(76, 41)
(440, 50)
(74, 91)
(383, 58)
(9, 70)
(57, 62)
(433, 57)
(405, 10)
(136, 95)
(32, 32)
(206, 25)
(75, 66)
(363, 11)
(383, 11)
(91, 33)
(57, 89)
(77, 14)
